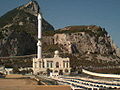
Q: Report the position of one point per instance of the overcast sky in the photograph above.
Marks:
(61, 13)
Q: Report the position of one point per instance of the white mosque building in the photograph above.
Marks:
(57, 65)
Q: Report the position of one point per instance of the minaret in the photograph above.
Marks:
(39, 44)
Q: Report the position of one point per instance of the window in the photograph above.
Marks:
(56, 71)
(47, 64)
(57, 64)
(51, 63)
(64, 64)
(43, 65)
(40, 64)
(66, 70)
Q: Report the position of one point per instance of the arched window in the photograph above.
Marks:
(56, 71)
(57, 64)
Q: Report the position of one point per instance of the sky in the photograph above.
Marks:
(62, 13)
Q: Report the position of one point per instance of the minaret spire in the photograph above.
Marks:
(39, 44)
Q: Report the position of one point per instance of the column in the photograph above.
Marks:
(34, 64)
(37, 64)
(68, 64)
(41, 64)
(53, 64)
(65, 64)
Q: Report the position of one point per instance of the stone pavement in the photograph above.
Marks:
(12, 82)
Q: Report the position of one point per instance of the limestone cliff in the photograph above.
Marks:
(86, 41)
(85, 45)
(18, 30)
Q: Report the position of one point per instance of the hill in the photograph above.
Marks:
(18, 30)
(87, 46)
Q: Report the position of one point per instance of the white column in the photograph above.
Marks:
(48, 64)
(37, 64)
(33, 63)
(39, 51)
(53, 64)
(68, 63)
(65, 64)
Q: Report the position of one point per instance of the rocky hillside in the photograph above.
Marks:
(85, 40)
(87, 46)
(18, 30)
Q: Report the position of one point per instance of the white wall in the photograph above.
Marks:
(100, 74)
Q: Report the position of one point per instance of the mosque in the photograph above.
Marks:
(56, 65)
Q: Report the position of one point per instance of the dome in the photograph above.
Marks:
(56, 52)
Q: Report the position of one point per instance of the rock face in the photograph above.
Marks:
(85, 45)
(94, 40)
(18, 30)
(82, 42)
(90, 44)
(18, 44)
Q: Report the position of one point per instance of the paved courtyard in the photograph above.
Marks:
(13, 82)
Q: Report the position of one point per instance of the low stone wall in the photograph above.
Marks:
(101, 74)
